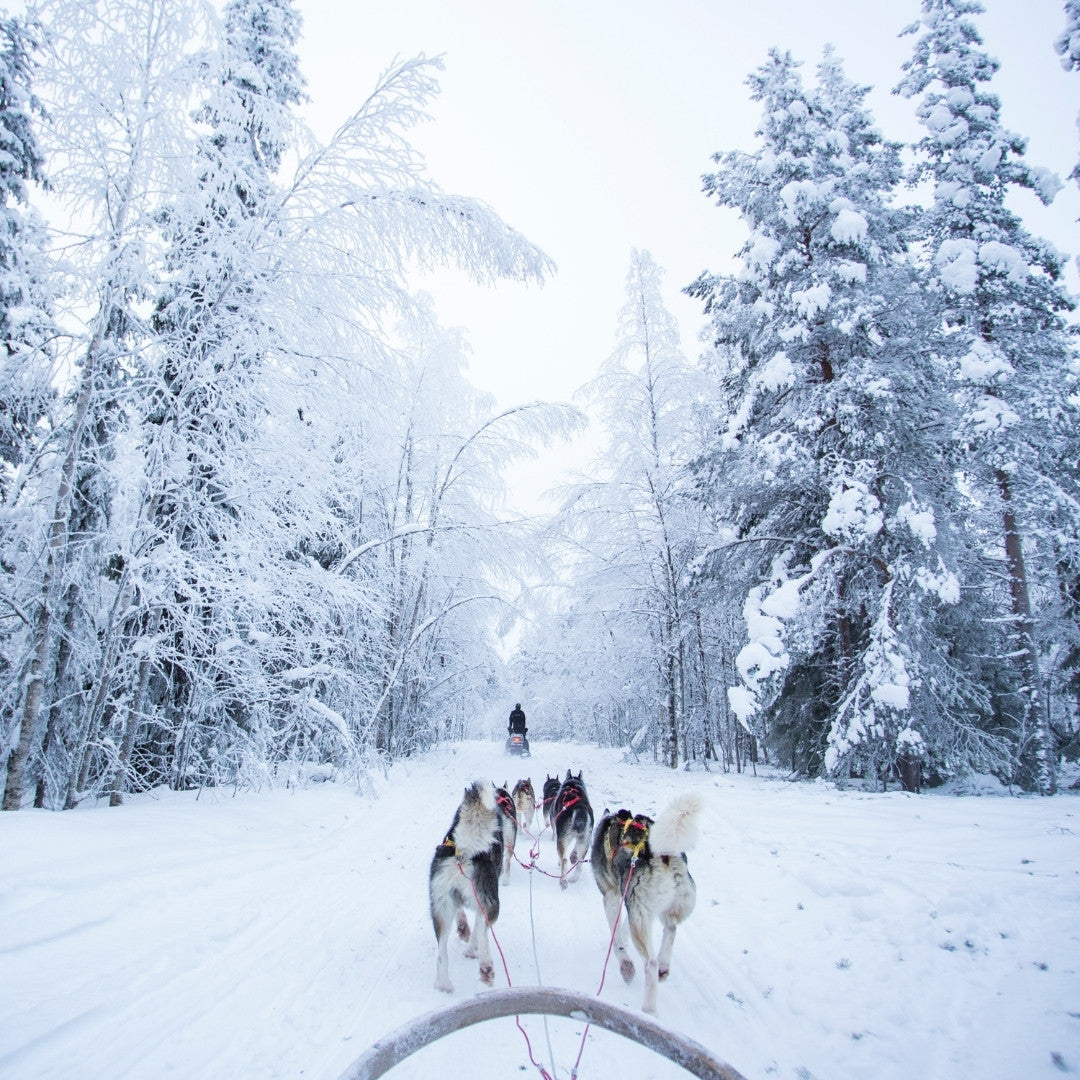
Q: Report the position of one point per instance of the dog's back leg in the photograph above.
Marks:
(442, 917)
(667, 943)
(641, 935)
(482, 944)
(580, 853)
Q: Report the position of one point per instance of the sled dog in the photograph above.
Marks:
(551, 789)
(504, 802)
(524, 803)
(572, 820)
(465, 875)
(643, 862)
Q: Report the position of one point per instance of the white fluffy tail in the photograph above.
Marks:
(676, 827)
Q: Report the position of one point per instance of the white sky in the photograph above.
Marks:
(587, 125)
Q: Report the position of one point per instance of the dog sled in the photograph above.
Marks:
(421, 1032)
(518, 746)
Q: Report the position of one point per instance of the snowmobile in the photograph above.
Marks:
(516, 743)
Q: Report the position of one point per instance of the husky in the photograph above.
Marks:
(524, 803)
(504, 801)
(642, 863)
(551, 789)
(465, 874)
(572, 820)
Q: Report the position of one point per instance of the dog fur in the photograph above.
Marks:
(524, 803)
(642, 864)
(551, 789)
(465, 875)
(505, 803)
(572, 820)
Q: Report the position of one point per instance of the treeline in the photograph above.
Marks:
(247, 496)
(847, 541)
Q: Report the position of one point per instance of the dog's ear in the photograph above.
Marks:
(567, 774)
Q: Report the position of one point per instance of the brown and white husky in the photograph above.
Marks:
(642, 863)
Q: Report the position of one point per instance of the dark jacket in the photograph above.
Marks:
(517, 723)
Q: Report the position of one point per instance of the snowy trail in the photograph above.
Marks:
(837, 935)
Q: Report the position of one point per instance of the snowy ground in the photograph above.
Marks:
(837, 936)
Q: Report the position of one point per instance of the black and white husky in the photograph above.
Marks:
(465, 875)
(572, 820)
(551, 789)
(643, 862)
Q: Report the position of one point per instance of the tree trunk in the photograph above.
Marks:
(1036, 721)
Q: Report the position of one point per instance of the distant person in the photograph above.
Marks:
(517, 722)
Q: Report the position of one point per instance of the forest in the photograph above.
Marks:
(251, 518)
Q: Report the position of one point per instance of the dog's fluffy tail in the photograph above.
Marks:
(676, 827)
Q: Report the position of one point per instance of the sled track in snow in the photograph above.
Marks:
(552, 1001)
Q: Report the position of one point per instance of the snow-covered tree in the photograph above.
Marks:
(632, 532)
(831, 477)
(998, 290)
(25, 317)
(209, 603)
(114, 78)
(1068, 48)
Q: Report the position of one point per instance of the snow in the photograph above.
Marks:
(854, 511)
(984, 362)
(1004, 259)
(920, 520)
(777, 372)
(837, 934)
(849, 226)
(956, 260)
(992, 414)
(808, 302)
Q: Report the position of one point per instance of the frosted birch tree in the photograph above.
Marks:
(115, 79)
(246, 280)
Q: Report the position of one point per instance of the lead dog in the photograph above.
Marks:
(642, 863)
(465, 875)
(524, 803)
(572, 820)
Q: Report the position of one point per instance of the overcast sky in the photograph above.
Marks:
(587, 125)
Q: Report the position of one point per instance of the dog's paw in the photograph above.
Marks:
(626, 970)
(487, 974)
(446, 988)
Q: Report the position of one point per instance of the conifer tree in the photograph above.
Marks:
(831, 473)
(25, 320)
(999, 291)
